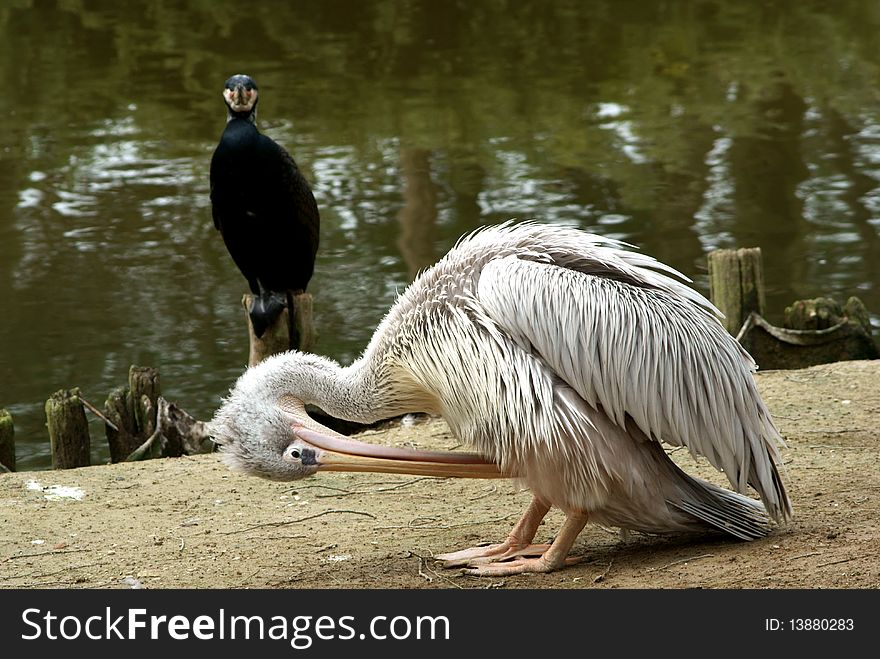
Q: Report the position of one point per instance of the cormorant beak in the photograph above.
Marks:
(240, 99)
(335, 452)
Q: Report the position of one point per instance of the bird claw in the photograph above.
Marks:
(489, 554)
(519, 566)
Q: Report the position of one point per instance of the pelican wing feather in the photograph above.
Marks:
(636, 343)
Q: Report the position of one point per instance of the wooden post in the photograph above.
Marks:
(303, 323)
(736, 284)
(68, 430)
(133, 410)
(123, 441)
(143, 397)
(7, 442)
(279, 336)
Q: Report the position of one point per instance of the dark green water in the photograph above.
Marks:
(678, 126)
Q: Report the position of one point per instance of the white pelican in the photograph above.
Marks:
(563, 359)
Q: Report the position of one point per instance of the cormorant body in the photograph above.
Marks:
(263, 207)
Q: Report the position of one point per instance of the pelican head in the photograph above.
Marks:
(264, 430)
(256, 438)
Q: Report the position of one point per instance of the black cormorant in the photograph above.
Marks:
(263, 207)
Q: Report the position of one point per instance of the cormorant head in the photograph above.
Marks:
(241, 95)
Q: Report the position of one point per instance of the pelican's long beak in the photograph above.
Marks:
(338, 453)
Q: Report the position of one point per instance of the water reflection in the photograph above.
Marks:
(680, 127)
(418, 216)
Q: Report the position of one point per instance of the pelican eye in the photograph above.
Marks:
(295, 453)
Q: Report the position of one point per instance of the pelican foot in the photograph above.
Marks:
(489, 554)
(520, 566)
(552, 558)
(518, 542)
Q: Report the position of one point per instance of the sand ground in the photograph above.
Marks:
(191, 523)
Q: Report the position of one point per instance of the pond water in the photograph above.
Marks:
(680, 127)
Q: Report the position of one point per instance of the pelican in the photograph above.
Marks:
(563, 359)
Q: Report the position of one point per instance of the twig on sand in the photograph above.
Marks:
(492, 489)
(424, 570)
(320, 485)
(423, 565)
(345, 493)
(812, 553)
(842, 560)
(443, 526)
(296, 521)
(601, 577)
(65, 569)
(247, 580)
(679, 561)
(43, 553)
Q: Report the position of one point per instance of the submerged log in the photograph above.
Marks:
(68, 430)
(7, 442)
(818, 331)
(824, 312)
(133, 410)
(282, 335)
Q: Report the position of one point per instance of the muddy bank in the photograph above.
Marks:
(189, 522)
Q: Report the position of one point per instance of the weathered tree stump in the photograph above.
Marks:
(7, 442)
(282, 335)
(133, 410)
(176, 433)
(186, 435)
(68, 430)
(736, 284)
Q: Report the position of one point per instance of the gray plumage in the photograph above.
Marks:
(566, 359)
